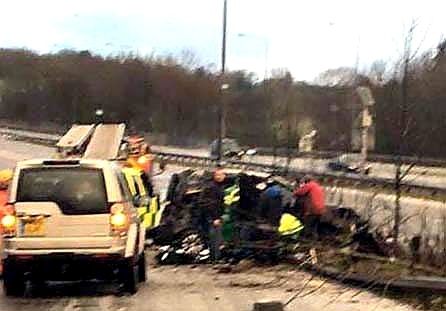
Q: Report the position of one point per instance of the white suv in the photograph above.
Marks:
(71, 220)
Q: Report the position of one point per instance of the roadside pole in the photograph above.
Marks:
(222, 104)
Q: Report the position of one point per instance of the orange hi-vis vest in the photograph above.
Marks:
(145, 163)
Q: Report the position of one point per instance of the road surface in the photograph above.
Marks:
(191, 287)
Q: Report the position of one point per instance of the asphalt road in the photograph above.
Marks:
(188, 287)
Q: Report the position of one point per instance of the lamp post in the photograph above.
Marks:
(99, 114)
(221, 106)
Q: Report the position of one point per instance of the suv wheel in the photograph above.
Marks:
(130, 274)
(142, 268)
(13, 283)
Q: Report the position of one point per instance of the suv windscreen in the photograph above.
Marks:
(76, 190)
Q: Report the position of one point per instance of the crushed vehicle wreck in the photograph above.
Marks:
(253, 208)
(258, 220)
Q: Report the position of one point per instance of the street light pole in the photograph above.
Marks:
(221, 106)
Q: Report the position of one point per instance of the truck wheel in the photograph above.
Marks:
(13, 283)
(142, 268)
(130, 273)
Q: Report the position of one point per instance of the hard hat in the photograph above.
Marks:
(5, 176)
(289, 225)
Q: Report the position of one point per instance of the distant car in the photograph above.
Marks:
(349, 163)
(230, 149)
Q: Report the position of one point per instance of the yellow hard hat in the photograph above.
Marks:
(289, 225)
(5, 176)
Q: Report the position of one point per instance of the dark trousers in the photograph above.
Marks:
(211, 235)
(298, 209)
(312, 223)
(215, 241)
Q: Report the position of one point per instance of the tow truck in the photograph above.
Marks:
(108, 141)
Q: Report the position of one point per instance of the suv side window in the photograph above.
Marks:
(124, 187)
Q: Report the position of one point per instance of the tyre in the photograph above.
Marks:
(13, 282)
(142, 268)
(130, 276)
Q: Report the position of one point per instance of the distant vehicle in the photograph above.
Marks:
(230, 149)
(349, 163)
(72, 220)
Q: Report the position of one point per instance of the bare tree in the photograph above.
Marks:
(405, 123)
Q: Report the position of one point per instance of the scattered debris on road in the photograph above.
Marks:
(346, 250)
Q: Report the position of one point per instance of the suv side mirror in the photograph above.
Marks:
(140, 201)
(137, 200)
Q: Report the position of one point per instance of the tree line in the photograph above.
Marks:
(178, 98)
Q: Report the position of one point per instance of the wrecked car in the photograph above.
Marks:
(230, 149)
(349, 163)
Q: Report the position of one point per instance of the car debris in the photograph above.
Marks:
(254, 225)
(349, 163)
(347, 248)
(230, 149)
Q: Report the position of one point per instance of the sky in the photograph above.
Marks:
(306, 37)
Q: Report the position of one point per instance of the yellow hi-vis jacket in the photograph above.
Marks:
(149, 214)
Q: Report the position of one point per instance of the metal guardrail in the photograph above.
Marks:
(328, 177)
(372, 157)
(283, 152)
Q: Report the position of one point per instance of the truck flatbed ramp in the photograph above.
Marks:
(105, 142)
(76, 136)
